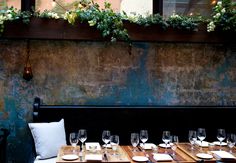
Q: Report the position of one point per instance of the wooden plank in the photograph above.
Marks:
(186, 148)
(119, 156)
(179, 157)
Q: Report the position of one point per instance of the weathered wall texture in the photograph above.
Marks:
(67, 72)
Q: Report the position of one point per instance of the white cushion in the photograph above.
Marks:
(49, 160)
(48, 138)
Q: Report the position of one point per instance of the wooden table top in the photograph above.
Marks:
(186, 148)
(183, 154)
(120, 156)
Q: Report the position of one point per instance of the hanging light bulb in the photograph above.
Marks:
(28, 74)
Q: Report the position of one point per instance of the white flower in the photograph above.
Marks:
(2, 19)
(219, 3)
(9, 16)
(223, 10)
(216, 16)
(174, 16)
(211, 26)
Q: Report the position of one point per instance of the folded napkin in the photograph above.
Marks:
(93, 157)
(223, 155)
(162, 157)
(148, 145)
(108, 145)
(163, 145)
(202, 144)
(92, 146)
(218, 143)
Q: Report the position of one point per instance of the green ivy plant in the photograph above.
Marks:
(189, 23)
(11, 14)
(147, 20)
(105, 20)
(223, 17)
(110, 23)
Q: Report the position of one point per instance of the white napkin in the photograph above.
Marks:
(163, 145)
(162, 157)
(223, 155)
(202, 144)
(218, 143)
(108, 145)
(148, 145)
(92, 146)
(93, 157)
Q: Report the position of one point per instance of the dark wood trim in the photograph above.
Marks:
(27, 5)
(158, 6)
(39, 28)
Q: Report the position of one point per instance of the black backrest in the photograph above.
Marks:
(123, 120)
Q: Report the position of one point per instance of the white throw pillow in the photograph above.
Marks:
(48, 138)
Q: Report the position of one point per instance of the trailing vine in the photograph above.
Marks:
(110, 23)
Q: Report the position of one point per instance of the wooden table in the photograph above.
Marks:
(179, 156)
(125, 155)
(186, 148)
(120, 156)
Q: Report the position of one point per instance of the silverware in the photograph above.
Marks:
(105, 157)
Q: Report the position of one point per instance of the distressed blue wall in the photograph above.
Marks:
(68, 72)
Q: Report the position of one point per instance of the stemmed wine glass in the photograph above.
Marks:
(221, 135)
(73, 140)
(134, 140)
(201, 134)
(166, 138)
(143, 137)
(106, 138)
(231, 139)
(114, 140)
(82, 137)
(192, 137)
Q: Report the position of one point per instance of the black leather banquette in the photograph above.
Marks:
(123, 120)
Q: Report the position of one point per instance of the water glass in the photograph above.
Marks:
(134, 140)
(231, 139)
(174, 140)
(114, 140)
(192, 137)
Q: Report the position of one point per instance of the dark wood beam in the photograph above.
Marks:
(27, 5)
(158, 6)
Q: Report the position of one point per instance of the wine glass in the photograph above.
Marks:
(106, 137)
(134, 140)
(201, 134)
(192, 137)
(231, 139)
(221, 135)
(143, 137)
(114, 140)
(166, 138)
(82, 137)
(174, 140)
(73, 140)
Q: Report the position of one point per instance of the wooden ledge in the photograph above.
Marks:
(40, 28)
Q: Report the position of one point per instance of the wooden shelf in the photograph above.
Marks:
(40, 28)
